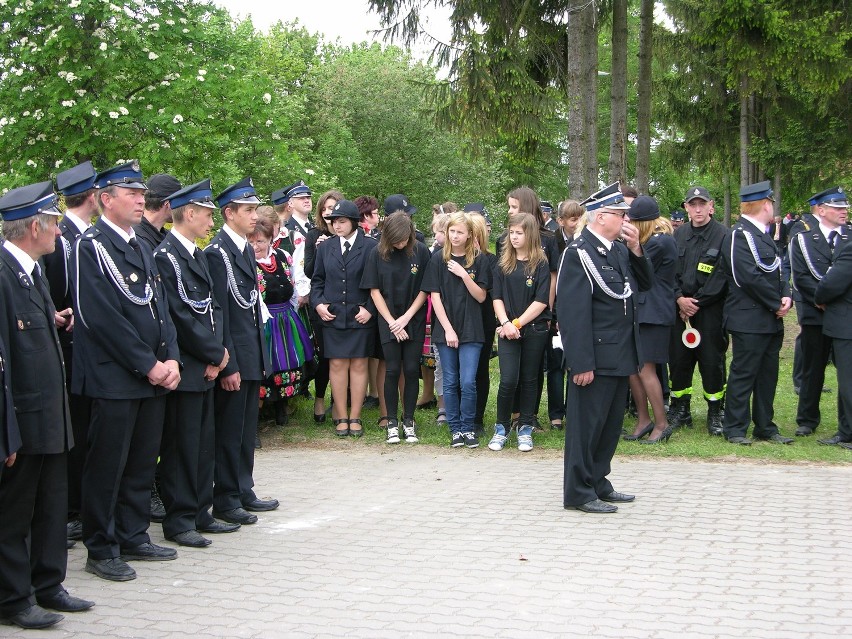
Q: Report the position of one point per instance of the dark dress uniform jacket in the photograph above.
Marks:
(242, 329)
(10, 436)
(199, 335)
(818, 253)
(116, 342)
(33, 361)
(835, 290)
(331, 285)
(597, 330)
(753, 294)
(657, 306)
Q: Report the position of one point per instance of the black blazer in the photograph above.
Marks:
(57, 272)
(337, 282)
(754, 295)
(199, 335)
(10, 436)
(600, 333)
(242, 328)
(657, 305)
(835, 291)
(811, 246)
(116, 341)
(33, 361)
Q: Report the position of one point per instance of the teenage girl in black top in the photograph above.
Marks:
(394, 273)
(521, 292)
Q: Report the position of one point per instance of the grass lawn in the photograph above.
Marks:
(694, 442)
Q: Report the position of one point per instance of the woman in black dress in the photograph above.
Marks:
(316, 236)
(394, 273)
(347, 314)
(656, 309)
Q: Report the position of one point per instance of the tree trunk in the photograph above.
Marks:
(589, 92)
(744, 165)
(618, 95)
(643, 110)
(576, 140)
(776, 187)
(726, 180)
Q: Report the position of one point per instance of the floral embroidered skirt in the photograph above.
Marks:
(289, 345)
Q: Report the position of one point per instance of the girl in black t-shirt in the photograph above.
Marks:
(394, 274)
(521, 292)
(458, 280)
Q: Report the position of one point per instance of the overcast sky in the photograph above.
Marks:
(349, 20)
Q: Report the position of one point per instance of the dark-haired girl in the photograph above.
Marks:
(394, 273)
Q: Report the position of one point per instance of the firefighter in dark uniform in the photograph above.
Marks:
(126, 360)
(757, 301)
(598, 322)
(77, 187)
(834, 292)
(700, 289)
(234, 271)
(33, 485)
(811, 253)
(10, 436)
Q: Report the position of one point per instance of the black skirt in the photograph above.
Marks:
(347, 343)
(655, 343)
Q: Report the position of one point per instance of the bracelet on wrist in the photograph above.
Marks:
(516, 323)
(506, 322)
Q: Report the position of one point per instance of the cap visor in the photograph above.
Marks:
(247, 200)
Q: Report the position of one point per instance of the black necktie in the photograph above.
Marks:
(832, 241)
(38, 281)
(249, 254)
(134, 244)
(346, 247)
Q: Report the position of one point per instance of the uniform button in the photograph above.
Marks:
(163, 344)
(161, 321)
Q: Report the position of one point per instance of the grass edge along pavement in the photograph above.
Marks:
(685, 443)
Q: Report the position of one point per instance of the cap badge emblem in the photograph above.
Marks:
(697, 192)
(135, 165)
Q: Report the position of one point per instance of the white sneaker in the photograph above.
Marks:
(525, 442)
(393, 432)
(499, 439)
(408, 431)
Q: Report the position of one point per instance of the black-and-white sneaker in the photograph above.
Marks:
(457, 441)
(471, 440)
(408, 431)
(393, 432)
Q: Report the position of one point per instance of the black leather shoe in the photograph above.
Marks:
(218, 527)
(32, 618)
(776, 438)
(595, 506)
(115, 569)
(846, 445)
(148, 552)
(831, 441)
(190, 538)
(804, 431)
(158, 511)
(236, 516)
(260, 505)
(742, 441)
(63, 602)
(617, 498)
(74, 530)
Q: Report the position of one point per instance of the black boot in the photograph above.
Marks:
(280, 413)
(680, 416)
(715, 417)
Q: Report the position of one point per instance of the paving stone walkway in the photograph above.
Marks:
(415, 541)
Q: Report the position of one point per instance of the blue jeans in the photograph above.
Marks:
(459, 366)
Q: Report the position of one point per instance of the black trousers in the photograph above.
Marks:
(710, 354)
(186, 462)
(843, 363)
(520, 365)
(236, 427)
(816, 350)
(33, 512)
(80, 410)
(124, 440)
(556, 382)
(753, 378)
(593, 418)
(402, 358)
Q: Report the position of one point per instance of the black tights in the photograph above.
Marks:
(402, 357)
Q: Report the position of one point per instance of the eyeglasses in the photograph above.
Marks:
(620, 214)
